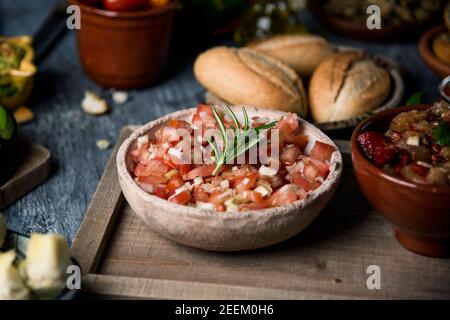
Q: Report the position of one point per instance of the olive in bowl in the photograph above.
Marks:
(8, 144)
(401, 161)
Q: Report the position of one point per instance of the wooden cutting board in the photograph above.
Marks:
(121, 257)
(33, 169)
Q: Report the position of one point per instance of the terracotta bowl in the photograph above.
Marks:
(419, 214)
(124, 50)
(440, 68)
(225, 231)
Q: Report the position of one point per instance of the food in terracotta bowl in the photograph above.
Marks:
(401, 159)
(263, 184)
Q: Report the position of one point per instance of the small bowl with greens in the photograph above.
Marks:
(16, 70)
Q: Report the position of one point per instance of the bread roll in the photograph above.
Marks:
(441, 47)
(345, 85)
(245, 76)
(301, 52)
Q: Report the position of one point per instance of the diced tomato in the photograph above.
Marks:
(253, 196)
(218, 197)
(322, 151)
(135, 154)
(160, 191)
(255, 205)
(246, 182)
(174, 183)
(220, 207)
(204, 111)
(288, 124)
(283, 197)
(202, 171)
(144, 154)
(153, 168)
(324, 169)
(200, 194)
(301, 140)
(152, 180)
(184, 169)
(181, 198)
(303, 183)
(241, 171)
(289, 154)
(420, 170)
(311, 171)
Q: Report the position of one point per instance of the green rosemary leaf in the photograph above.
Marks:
(233, 116)
(266, 126)
(245, 119)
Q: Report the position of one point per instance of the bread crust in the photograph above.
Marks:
(246, 76)
(345, 85)
(303, 53)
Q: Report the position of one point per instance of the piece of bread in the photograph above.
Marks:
(245, 76)
(441, 47)
(301, 52)
(12, 286)
(345, 85)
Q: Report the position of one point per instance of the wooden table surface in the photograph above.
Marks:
(60, 204)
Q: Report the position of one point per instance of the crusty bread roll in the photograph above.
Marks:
(245, 76)
(345, 85)
(301, 52)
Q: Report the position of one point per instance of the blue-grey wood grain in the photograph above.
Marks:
(59, 204)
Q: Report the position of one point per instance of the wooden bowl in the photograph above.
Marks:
(420, 214)
(124, 50)
(439, 67)
(225, 231)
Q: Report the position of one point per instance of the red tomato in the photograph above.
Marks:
(303, 183)
(202, 171)
(181, 198)
(310, 171)
(283, 198)
(205, 111)
(288, 125)
(322, 151)
(200, 194)
(289, 154)
(218, 198)
(125, 5)
(160, 191)
(174, 183)
(324, 169)
(301, 140)
(152, 180)
(184, 169)
(246, 182)
(255, 205)
(153, 168)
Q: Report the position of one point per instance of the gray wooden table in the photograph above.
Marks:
(59, 205)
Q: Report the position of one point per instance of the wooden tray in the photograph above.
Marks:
(32, 171)
(121, 257)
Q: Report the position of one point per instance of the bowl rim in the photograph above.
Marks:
(125, 14)
(427, 53)
(333, 179)
(357, 154)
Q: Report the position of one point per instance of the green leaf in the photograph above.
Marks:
(233, 116)
(245, 119)
(6, 124)
(415, 99)
(442, 134)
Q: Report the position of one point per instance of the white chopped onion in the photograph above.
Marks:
(142, 140)
(267, 171)
(205, 205)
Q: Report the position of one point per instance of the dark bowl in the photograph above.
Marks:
(8, 155)
(124, 50)
(440, 68)
(419, 214)
(358, 30)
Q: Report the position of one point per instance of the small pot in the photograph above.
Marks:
(419, 214)
(124, 50)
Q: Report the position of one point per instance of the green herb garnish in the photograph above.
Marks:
(6, 125)
(442, 134)
(244, 138)
(415, 99)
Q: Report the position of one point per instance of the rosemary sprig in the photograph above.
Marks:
(244, 138)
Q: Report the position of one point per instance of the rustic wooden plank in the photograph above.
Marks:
(100, 216)
(328, 260)
(34, 169)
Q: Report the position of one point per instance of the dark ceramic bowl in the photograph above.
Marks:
(124, 50)
(440, 68)
(419, 214)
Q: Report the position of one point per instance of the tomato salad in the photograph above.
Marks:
(235, 187)
(416, 147)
